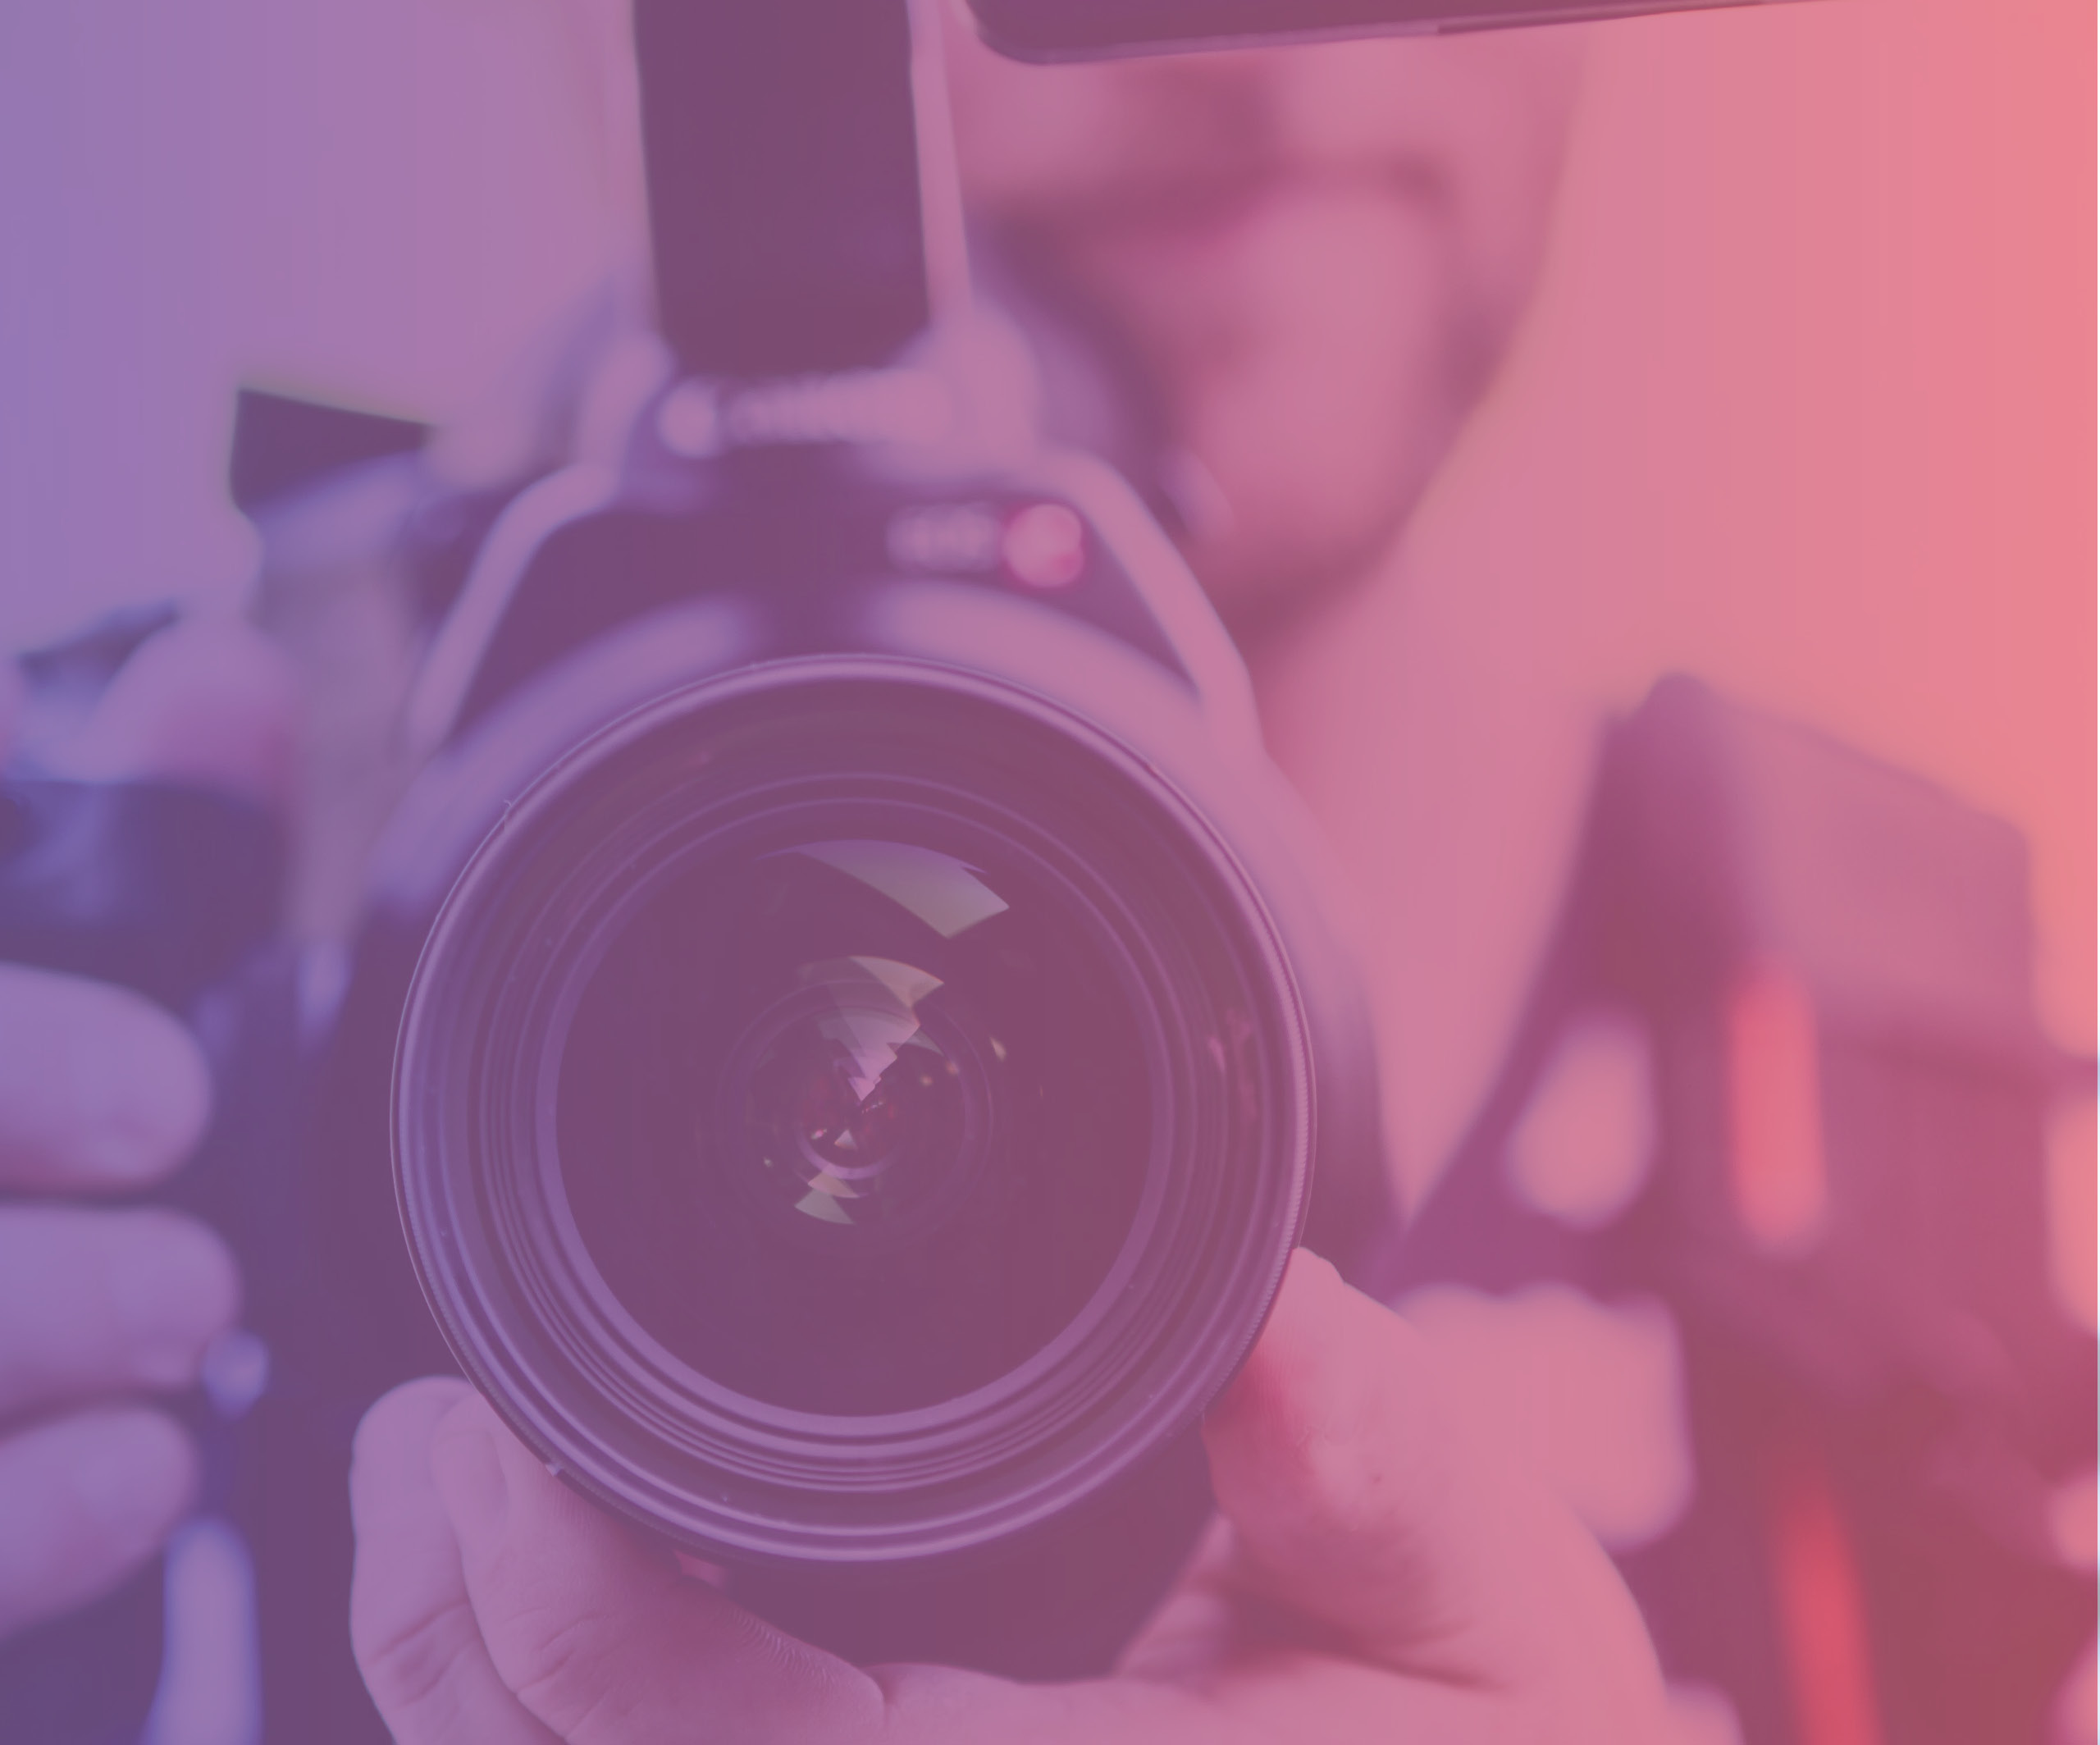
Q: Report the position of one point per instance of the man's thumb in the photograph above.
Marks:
(599, 1635)
(1361, 1501)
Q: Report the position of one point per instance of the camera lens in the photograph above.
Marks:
(852, 1111)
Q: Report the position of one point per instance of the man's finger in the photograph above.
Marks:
(100, 1090)
(1363, 1501)
(84, 1502)
(603, 1638)
(417, 1641)
(100, 1302)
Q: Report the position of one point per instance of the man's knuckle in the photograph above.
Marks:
(558, 1667)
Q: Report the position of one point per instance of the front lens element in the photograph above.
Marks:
(856, 1125)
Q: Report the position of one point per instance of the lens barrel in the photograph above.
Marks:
(852, 1111)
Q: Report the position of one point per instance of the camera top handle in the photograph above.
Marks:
(790, 214)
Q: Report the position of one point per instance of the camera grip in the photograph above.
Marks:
(155, 887)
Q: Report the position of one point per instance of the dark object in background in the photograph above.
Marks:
(154, 886)
(282, 443)
(1089, 29)
(785, 213)
(1845, 1215)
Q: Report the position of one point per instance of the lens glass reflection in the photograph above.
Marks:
(856, 1124)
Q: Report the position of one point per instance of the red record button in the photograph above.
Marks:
(1045, 545)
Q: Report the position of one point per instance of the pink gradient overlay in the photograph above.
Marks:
(1733, 1038)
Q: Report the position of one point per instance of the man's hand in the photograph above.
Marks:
(101, 1093)
(1376, 1575)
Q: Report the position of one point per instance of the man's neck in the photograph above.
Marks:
(1446, 763)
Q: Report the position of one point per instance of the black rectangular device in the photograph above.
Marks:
(1089, 29)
